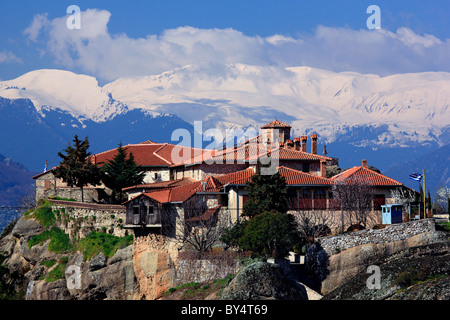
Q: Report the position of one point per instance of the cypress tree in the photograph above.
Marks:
(265, 193)
(75, 168)
(121, 172)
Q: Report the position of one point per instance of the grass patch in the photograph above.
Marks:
(64, 199)
(59, 240)
(48, 263)
(443, 226)
(97, 242)
(58, 272)
(44, 214)
(199, 291)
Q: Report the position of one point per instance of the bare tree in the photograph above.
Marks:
(313, 224)
(28, 200)
(200, 227)
(356, 200)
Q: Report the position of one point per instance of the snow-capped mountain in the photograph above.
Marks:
(402, 109)
(79, 95)
(414, 107)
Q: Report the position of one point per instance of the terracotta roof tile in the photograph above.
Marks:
(150, 153)
(276, 124)
(295, 177)
(363, 175)
(161, 184)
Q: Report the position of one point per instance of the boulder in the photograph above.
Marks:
(419, 265)
(263, 281)
(26, 228)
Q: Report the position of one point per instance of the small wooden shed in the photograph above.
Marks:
(143, 211)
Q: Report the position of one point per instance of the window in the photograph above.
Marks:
(378, 201)
(305, 167)
(155, 177)
(224, 200)
(150, 210)
(305, 202)
(320, 200)
(292, 199)
(136, 210)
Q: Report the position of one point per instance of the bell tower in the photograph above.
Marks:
(275, 132)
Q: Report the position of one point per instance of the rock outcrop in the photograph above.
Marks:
(99, 278)
(263, 281)
(332, 268)
(153, 258)
(416, 273)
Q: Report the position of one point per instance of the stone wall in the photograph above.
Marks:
(391, 233)
(79, 222)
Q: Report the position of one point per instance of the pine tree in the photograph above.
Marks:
(265, 193)
(75, 168)
(121, 172)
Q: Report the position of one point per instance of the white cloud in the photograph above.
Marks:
(39, 22)
(8, 57)
(94, 50)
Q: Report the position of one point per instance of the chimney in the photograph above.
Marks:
(323, 168)
(304, 140)
(289, 143)
(297, 144)
(314, 143)
(364, 163)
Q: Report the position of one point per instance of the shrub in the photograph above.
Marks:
(408, 277)
(61, 198)
(59, 271)
(270, 233)
(97, 242)
(48, 263)
(232, 235)
(59, 240)
(44, 214)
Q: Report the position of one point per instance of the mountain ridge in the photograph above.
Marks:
(415, 106)
(386, 120)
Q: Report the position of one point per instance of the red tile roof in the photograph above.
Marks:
(365, 176)
(253, 151)
(149, 153)
(161, 184)
(276, 124)
(295, 177)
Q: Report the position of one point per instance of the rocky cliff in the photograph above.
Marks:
(42, 259)
(342, 272)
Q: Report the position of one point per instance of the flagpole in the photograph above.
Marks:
(424, 210)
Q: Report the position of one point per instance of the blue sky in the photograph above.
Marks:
(151, 36)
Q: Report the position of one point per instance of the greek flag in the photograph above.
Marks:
(416, 176)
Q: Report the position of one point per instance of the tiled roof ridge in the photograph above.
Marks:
(354, 170)
(162, 158)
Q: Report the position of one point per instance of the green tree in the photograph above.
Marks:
(75, 168)
(232, 235)
(270, 233)
(265, 193)
(121, 172)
